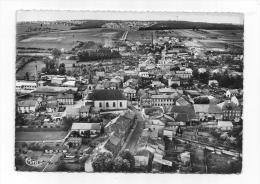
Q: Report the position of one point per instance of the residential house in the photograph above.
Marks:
(174, 80)
(231, 111)
(144, 74)
(27, 106)
(156, 84)
(65, 99)
(232, 92)
(52, 106)
(213, 83)
(183, 74)
(58, 80)
(81, 128)
(184, 113)
(225, 125)
(69, 84)
(84, 111)
(155, 125)
(208, 111)
(130, 93)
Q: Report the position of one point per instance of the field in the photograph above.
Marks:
(140, 36)
(39, 136)
(67, 39)
(30, 68)
(212, 39)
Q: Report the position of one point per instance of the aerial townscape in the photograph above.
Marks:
(129, 96)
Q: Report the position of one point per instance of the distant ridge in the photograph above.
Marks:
(163, 25)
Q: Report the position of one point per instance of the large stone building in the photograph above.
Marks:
(108, 99)
(159, 100)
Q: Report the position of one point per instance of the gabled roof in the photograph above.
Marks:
(105, 94)
(84, 109)
(188, 110)
(207, 108)
(129, 90)
(64, 96)
(27, 103)
(85, 126)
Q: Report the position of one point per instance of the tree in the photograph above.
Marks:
(27, 76)
(44, 70)
(174, 85)
(67, 123)
(201, 100)
(121, 165)
(56, 53)
(103, 162)
(129, 157)
(62, 69)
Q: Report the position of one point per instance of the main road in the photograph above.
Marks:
(135, 134)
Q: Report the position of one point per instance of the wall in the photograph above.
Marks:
(110, 103)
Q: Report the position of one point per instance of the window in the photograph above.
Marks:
(107, 104)
(100, 104)
(121, 104)
(114, 104)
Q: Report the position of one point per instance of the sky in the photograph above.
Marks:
(233, 18)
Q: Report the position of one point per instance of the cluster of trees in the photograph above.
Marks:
(224, 79)
(67, 123)
(227, 81)
(201, 100)
(105, 162)
(51, 66)
(202, 77)
(144, 83)
(103, 53)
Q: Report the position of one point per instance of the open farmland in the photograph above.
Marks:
(140, 36)
(67, 39)
(212, 39)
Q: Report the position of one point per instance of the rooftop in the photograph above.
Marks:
(106, 94)
(85, 126)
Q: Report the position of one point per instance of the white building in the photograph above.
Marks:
(25, 86)
(27, 106)
(108, 100)
(130, 93)
(144, 74)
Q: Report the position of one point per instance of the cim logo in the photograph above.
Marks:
(32, 162)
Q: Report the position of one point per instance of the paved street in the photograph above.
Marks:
(135, 134)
